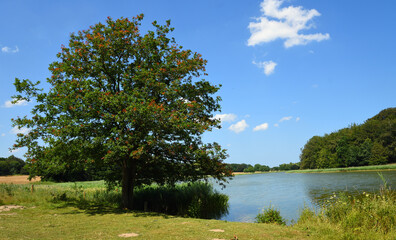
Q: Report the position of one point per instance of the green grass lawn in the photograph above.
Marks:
(73, 223)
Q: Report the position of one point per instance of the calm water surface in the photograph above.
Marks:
(289, 192)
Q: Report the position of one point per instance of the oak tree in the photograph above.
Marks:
(132, 104)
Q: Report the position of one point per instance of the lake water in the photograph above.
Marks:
(289, 192)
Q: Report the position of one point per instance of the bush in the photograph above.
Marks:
(270, 215)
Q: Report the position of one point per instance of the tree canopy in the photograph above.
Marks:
(133, 105)
(12, 166)
(371, 143)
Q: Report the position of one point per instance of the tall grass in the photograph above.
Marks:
(366, 216)
(198, 200)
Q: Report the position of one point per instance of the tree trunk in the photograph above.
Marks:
(128, 183)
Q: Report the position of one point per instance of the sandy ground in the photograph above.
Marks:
(20, 179)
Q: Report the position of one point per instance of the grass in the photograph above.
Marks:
(72, 223)
(367, 216)
(63, 211)
(59, 211)
(348, 169)
(197, 199)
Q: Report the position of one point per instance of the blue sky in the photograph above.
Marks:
(289, 69)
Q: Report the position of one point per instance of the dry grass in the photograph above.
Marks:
(18, 179)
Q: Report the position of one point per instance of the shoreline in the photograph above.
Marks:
(373, 168)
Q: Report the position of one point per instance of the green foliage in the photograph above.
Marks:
(249, 169)
(243, 167)
(368, 216)
(128, 107)
(289, 166)
(197, 200)
(371, 143)
(12, 166)
(237, 167)
(270, 215)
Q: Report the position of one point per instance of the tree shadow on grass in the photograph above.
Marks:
(102, 209)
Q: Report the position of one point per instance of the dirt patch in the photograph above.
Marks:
(19, 179)
(216, 230)
(7, 208)
(127, 235)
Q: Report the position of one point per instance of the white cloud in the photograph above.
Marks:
(23, 130)
(284, 23)
(239, 126)
(276, 125)
(9, 104)
(285, 119)
(261, 127)
(10, 50)
(227, 117)
(298, 119)
(268, 66)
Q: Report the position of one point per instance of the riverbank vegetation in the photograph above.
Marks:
(197, 200)
(390, 167)
(366, 216)
(87, 210)
(370, 143)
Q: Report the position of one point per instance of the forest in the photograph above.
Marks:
(370, 143)
(12, 166)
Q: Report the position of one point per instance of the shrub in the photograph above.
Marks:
(270, 215)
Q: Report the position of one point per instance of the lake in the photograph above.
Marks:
(289, 192)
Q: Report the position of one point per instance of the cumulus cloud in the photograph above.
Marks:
(285, 119)
(239, 126)
(9, 50)
(268, 66)
(284, 23)
(261, 127)
(23, 130)
(227, 117)
(9, 104)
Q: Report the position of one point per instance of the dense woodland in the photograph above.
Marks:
(12, 166)
(243, 167)
(370, 143)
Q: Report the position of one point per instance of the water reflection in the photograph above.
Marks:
(289, 192)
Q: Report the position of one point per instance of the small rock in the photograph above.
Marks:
(127, 235)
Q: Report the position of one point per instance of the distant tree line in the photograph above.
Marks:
(243, 167)
(371, 143)
(12, 166)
